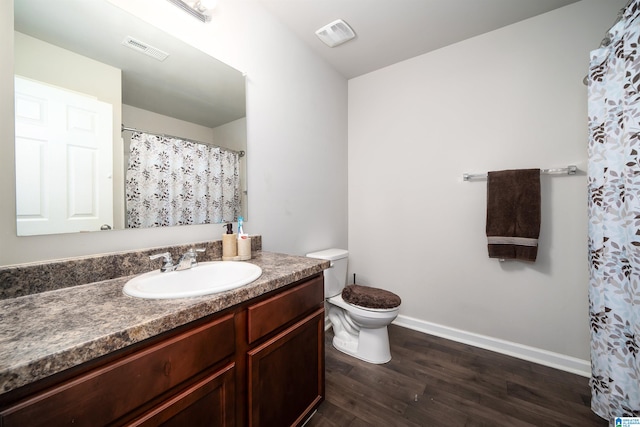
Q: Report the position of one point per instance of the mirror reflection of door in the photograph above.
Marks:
(63, 153)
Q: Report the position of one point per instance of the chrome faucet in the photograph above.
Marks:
(167, 262)
(187, 260)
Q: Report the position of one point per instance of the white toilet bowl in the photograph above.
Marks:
(361, 332)
(358, 331)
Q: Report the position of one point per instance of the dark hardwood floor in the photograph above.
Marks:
(432, 381)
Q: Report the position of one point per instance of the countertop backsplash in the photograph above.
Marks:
(32, 278)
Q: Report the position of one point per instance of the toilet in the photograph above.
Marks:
(358, 314)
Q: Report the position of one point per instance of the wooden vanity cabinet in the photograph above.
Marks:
(259, 364)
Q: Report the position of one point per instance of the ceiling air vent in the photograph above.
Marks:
(335, 33)
(145, 48)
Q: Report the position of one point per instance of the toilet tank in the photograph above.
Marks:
(335, 277)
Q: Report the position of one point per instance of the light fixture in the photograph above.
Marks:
(335, 33)
(201, 9)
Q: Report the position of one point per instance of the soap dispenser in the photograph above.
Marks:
(229, 244)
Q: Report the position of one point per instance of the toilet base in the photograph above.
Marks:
(371, 345)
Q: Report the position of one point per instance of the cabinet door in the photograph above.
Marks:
(286, 374)
(208, 402)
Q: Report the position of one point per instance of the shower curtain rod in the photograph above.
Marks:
(569, 170)
(606, 41)
(241, 153)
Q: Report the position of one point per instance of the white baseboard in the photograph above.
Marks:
(532, 354)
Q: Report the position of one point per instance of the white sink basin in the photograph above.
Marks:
(204, 279)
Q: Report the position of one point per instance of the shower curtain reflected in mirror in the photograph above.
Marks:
(614, 220)
(171, 181)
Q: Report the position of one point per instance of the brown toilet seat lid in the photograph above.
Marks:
(368, 297)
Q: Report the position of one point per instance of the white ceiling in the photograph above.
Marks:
(389, 31)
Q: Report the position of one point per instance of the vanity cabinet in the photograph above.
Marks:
(260, 363)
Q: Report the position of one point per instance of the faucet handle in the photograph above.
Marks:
(165, 255)
(192, 252)
(167, 262)
(193, 255)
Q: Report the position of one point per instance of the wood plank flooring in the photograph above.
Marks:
(432, 381)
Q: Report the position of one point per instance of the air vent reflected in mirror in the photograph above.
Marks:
(145, 48)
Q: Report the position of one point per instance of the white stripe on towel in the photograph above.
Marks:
(505, 240)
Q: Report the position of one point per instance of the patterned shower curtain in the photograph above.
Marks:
(171, 181)
(614, 220)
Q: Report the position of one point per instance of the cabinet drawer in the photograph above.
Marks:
(105, 394)
(272, 313)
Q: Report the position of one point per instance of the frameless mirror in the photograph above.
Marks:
(113, 70)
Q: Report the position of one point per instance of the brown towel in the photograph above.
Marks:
(513, 214)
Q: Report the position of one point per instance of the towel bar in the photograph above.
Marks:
(569, 170)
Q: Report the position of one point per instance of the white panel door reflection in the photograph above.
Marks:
(64, 160)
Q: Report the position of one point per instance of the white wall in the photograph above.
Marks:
(512, 98)
(296, 150)
(232, 135)
(139, 118)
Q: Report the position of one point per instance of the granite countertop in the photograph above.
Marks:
(46, 333)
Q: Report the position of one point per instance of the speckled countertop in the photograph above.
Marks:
(46, 333)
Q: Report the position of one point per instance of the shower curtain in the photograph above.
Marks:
(614, 220)
(171, 181)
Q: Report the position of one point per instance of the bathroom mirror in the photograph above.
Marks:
(113, 61)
